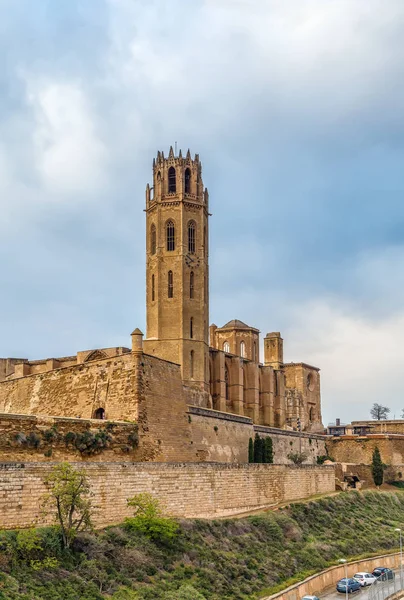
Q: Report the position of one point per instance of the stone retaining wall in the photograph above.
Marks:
(200, 490)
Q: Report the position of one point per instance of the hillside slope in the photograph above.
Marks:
(226, 559)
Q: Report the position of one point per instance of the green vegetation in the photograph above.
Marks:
(260, 450)
(69, 500)
(377, 467)
(150, 520)
(205, 560)
(297, 458)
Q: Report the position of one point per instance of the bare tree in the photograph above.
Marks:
(379, 412)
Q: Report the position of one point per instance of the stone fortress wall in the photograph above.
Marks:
(198, 490)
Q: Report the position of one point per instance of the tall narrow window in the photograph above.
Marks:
(226, 381)
(153, 239)
(191, 328)
(191, 284)
(152, 288)
(187, 181)
(242, 350)
(158, 184)
(172, 183)
(170, 234)
(255, 351)
(170, 284)
(226, 347)
(191, 364)
(191, 237)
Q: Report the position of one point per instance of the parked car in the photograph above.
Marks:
(365, 578)
(310, 598)
(383, 573)
(351, 584)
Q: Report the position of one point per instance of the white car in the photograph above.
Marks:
(365, 578)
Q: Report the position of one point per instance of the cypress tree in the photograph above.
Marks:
(268, 451)
(250, 450)
(377, 467)
(257, 449)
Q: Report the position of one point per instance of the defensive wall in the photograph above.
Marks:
(224, 437)
(148, 391)
(198, 490)
(43, 439)
(359, 449)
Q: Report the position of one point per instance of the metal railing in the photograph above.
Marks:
(380, 590)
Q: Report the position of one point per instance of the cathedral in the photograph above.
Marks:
(219, 368)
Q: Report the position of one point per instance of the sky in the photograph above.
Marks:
(296, 108)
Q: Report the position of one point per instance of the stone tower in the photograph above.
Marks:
(177, 276)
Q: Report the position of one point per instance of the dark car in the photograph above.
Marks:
(383, 573)
(351, 584)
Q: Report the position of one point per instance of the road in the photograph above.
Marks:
(384, 589)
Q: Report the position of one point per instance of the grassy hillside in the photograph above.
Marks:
(227, 559)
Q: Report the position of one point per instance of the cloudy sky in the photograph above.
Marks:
(296, 108)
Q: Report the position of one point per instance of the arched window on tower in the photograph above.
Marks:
(172, 183)
(170, 234)
(191, 237)
(170, 284)
(226, 381)
(311, 414)
(226, 347)
(99, 413)
(242, 349)
(191, 328)
(158, 184)
(191, 284)
(187, 181)
(152, 288)
(153, 239)
(191, 364)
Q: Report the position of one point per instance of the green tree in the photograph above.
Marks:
(250, 450)
(149, 519)
(69, 499)
(268, 450)
(377, 467)
(257, 449)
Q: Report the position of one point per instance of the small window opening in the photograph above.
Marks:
(226, 380)
(172, 183)
(242, 350)
(226, 347)
(191, 328)
(187, 181)
(153, 239)
(99, 413)
(170, 230)
(191, 364)
(152, 288)
(191, 237)
(191, 284)
(170, 284)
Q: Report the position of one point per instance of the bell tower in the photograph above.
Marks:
(177, 275)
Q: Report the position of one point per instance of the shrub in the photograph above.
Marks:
(150, 520)
(322, 458)
(50, 435)
(297, 458)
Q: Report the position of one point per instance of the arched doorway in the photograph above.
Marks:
(99, 413)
